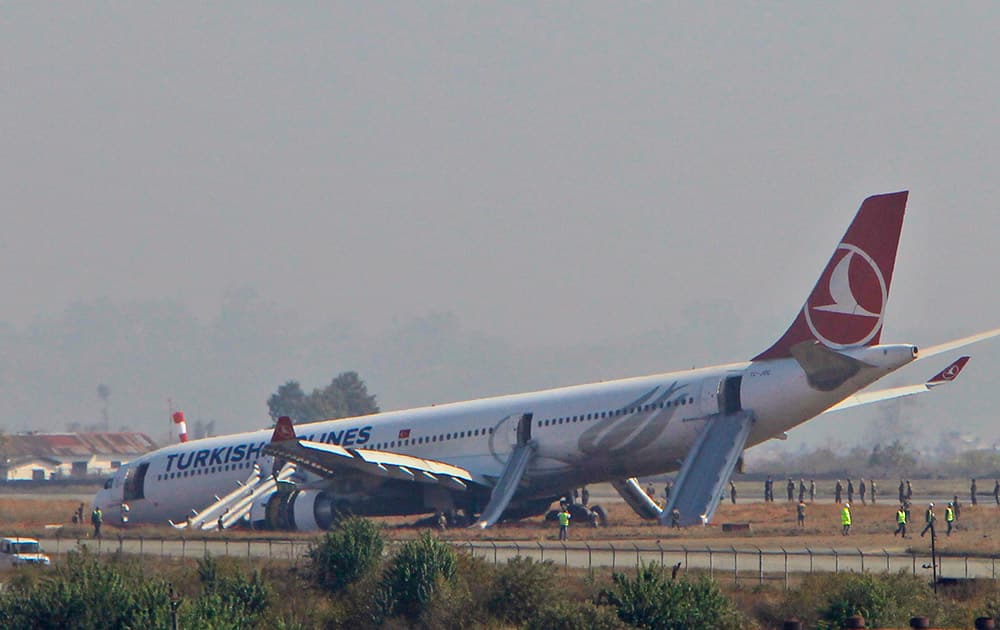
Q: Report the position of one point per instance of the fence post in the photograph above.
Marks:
(810, 551)
(541, 551)
(517, 549)
(58, 535)
(637, 563)
(204, 540)
(760, 565)
(161, 548)
(685, 557)
(183, 547)
(913, 555)
(862, 554)
(736, 565)
(661, 551)
(494, 552)
(248, 550)
(565, 557)
(786, 566)
(590, 564)
(967, 566)
(711, 569)
(612, 556)
(226, 539)
(887, 569)
(140, 544)
(836, 560)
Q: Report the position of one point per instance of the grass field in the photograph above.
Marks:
(772, 525)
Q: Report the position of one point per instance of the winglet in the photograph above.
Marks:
(283, 430)
(948, 374)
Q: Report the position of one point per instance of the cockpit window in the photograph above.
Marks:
(107, 484)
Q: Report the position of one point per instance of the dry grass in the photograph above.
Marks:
(772, 525)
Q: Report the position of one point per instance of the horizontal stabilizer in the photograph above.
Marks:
(955, 344)
(946, 375)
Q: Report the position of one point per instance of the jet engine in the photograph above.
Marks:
(297, 510)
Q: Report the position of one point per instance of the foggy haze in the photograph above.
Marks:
(202, 202)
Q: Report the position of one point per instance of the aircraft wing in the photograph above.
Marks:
(327, 460)
(864, 398)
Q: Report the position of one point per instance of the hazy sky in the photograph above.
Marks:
(568, 192)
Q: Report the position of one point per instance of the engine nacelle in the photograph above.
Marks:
(297, 511)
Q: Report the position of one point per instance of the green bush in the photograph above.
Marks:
(414, 574)
(888, 599)
(521, 588)
(573, 615)
(346, 553)
(653, 600)
(84, 592)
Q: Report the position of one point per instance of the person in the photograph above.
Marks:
(651, 491)
(791, 488)
(906, 508)
(838, 491)
(585, 496)
(97, 519)
(768, 490)
(850, 491)
(675, 519)
(958, 507)
(909, 491)
(996, 492)
(666, 491)
(800, 513)
(812, 490)
(802, 490)
(929, 519)
(874, 491)
(576, 494)
(221, 524)
(845, 518)
(949, 517)
(79, 514)
(442, 521)
(732, 492)
(900, 521)
(564, 518)
(972, 492)
(862, 490)
(902, 491)
(76, 518)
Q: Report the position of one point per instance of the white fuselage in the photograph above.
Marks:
(584, 434)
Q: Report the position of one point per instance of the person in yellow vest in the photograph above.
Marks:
(564, 517)
(949, 517)
(900, 522)
(929, 518)
(845, 518)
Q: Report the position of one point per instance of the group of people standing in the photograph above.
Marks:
(790, 489)
(866, 491)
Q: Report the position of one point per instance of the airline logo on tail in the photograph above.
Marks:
(846, 308)
(852, 310)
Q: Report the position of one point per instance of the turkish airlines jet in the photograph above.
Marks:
(513, 456)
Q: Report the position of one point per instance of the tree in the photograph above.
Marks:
(345, 397)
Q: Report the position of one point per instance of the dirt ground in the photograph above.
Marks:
(772, 525)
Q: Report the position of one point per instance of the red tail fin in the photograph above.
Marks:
(847, 306)
(283, 430)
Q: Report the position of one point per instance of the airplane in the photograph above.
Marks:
(513, 456)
